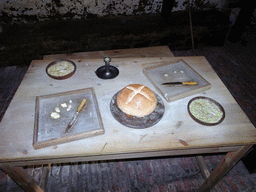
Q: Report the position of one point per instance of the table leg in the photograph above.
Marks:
(21, 177)
(44, 178)
(203, 166)
(224, 167)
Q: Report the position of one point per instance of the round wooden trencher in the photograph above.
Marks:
(202, 122)
(137, 122)
(63, 76)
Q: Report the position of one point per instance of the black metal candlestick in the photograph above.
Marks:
(107, 71)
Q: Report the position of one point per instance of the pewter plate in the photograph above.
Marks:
(49, 131)
(138, 122)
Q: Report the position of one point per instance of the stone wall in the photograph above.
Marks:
(40, 10)
(21, 43)
(30, 29)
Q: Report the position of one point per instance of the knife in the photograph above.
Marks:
(180, 83)
(75, 117)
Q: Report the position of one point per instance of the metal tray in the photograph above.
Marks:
(49, 131)
(175, 72)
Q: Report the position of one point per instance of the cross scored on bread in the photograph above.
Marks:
(136, 100)
(135, 92)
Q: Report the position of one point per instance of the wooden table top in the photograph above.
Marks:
(176, 130)
(155, 51)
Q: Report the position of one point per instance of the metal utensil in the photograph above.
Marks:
(75, 117)
(180, 83)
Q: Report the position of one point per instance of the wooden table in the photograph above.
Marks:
(175, 134)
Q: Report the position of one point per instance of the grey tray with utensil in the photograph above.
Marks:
(176, 72)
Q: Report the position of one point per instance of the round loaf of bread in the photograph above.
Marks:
(136, 100)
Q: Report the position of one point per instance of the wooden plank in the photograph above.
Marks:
(223, 168)
(203, 166)
(44, 177)
(20, 176)
(124, 156)
(156, 51)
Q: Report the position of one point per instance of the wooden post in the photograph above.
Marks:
(223, 168)
(21, 177)
(44, 177)
(203, 166)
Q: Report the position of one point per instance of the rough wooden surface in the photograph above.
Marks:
(157, 51)
(176, 131)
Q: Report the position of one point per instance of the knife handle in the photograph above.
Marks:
(189, 83)
(81, 105)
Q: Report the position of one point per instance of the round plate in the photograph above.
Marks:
(208, 112)
(59, 69)
(138, 122)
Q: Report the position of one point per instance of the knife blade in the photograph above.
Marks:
(180, 83)
(75, 117)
